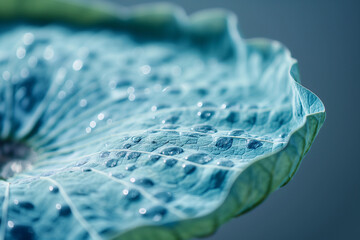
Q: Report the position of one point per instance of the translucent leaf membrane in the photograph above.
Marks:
(145, 137)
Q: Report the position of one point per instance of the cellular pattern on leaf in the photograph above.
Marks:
(132, 133)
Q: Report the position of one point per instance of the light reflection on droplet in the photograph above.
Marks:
(101, 116)
(16, 202)
(125, 192)
(16, 167)
(77, 65)
(58, 206)
(28, 38)
(6, 75)
(154, 108)
(10, 224)
(142, 210)
(92, 124)
(132, 97)
(130, 90)
(88, 130)
(145, 69)
(49, 53)
(20, 52)
(132, 180)
(83, 103)
(61, 95)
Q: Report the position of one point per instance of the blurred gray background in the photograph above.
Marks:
(323, 199)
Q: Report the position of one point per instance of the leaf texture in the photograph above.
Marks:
(147, 124)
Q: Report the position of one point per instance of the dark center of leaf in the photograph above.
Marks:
(15, 157)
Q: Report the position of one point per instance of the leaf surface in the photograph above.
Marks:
(142, 136)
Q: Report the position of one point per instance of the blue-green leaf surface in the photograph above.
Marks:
(163, 128)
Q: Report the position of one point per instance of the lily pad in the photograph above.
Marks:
(141, 123)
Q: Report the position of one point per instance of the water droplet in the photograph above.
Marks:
(118, 175)
(83, 103)
(153, 159)
(171, 151)
(254, 144)
(121, 154)
(170, 120)
(20, 52)
(104, 154)
(6, 75)
(130, 168)
(53, 189)
(28, 38)
(142, 211)
(136, 139)
(156, 213)
(131, 97)
(233, 117)
(64, 211)
(131, 194)
(111, 163)
(201, 158)
(81, 162)
(159, 107)
(61, 95)
(100, 116)
(204, 129)
(10, 224)
(236, 132)
(224, 143)
(205, 104)
(202, 92)
(145, 69)
(127, 145)
(188, 169)
(133, 155)
(48, 53)
(77, 65)
(145, 182)
(217, 179)
(22, 232)
(26, 205)
(164, 196)
(170, 162)
(92, 124)
(206, 115)
(283, 135)
(225, 163)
